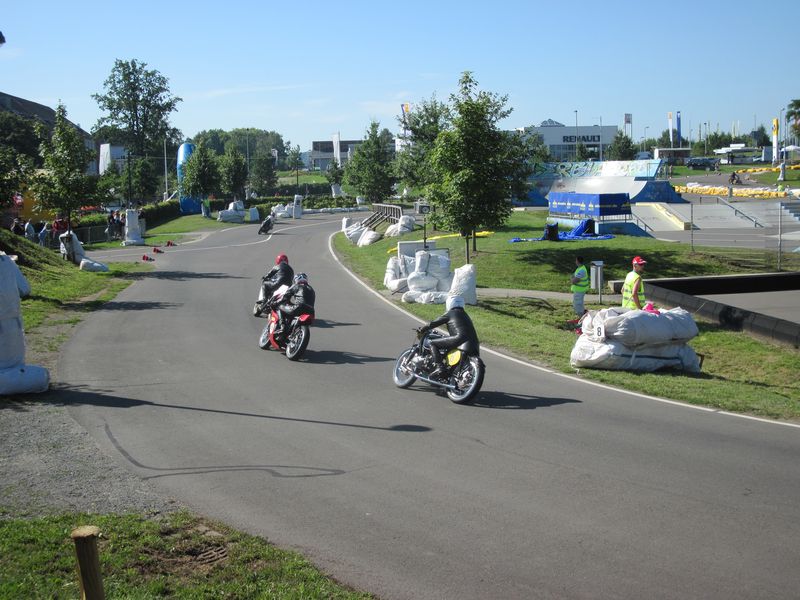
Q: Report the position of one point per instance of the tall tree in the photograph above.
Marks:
(233, 173)
(19, 135)
(477, 167)
(621, 148)
(62, 185)
(793, 116)
(421, 126)
(139, 102)
(294, 161)
(335, 175)
(263, 176)
(15, 170)
(201, 176)
(370, 171)
(581, 152)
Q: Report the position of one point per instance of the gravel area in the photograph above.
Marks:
(49, 464)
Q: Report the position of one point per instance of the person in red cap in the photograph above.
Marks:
(633, 288)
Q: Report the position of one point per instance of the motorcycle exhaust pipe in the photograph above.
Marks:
(432, 382)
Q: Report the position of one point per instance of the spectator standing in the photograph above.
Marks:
(30, 231)
(17, 227)
(579, 287)
(59, 226)
(44, 235)
(633, 288)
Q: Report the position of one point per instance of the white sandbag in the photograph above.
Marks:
(346, 222)
(254, 216)
(411, 296)
(13, 285)
(439, 266)
(407, 264)
(283, 214)
(465, 284)
(392, 270)
(432, 298)
(369, 237)
(236, 205)
(406, 222)
(422, 257)
(398, 285)
(230, 216)
(353, 233)
(133, 231)
(392, 230)
(24, 379)
(69, 244)
(420, 282)
(614, 355)
(12, 342)
(637, 327)
(93, 266)
(444, 284)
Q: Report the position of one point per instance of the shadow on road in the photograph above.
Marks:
(518, 401)
(138, 305)
(178, 275)
(327, 323)
(332, 357)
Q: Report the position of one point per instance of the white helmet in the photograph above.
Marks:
(454, 302)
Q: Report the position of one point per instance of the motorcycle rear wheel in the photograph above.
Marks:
(297, 342)
(467, 380)
(402, 375)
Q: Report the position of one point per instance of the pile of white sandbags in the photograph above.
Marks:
(72, 249)
(404, 225)
(234, 213)
(15, 376)
(427, 276)
(636, 340)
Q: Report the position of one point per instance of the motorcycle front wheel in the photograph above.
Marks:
(403, 375)
(297, 342)
(263, 340)
(466, 380)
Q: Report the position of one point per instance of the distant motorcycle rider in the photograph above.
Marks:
(461, 330)
(278, 275)
(298, 299)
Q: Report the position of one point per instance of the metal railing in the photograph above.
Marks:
(737, 212)
(384, 212)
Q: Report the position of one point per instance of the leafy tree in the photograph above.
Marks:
(139, 102)
(263, 176)
(62, 185)
(421, 127)
(370, 170)
(294, 161)
(582, 153)
(19, 135)
(477, 167)
(214, 140)
(760, 137)
(15, 169)
(334, 174)
(663, 141)
(793, 115)
(621, 148)
(201, 176)
(233, 173)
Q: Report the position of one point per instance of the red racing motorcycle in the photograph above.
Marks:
(294, 338)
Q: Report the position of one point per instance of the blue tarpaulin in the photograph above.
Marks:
(579, 232)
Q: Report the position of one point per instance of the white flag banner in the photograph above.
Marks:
(669, 121)
(337, 148)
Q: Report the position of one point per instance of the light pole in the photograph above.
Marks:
(706, 140)
(576, 134)
(644, 139)
(601, 137)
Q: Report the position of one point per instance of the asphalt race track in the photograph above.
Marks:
(548, 487)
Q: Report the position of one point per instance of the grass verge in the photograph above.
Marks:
(174, 556)
(740, 373)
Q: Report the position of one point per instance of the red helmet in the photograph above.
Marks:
(281, 258)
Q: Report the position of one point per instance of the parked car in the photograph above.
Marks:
(707, 164)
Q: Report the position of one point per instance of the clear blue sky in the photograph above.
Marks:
(310, 69)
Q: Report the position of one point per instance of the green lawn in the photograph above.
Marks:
(739, 373)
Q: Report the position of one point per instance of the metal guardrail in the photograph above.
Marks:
(737, 212)
(384, 212)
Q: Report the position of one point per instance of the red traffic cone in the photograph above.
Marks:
(157, 250)
(169, 243)
(146, 258)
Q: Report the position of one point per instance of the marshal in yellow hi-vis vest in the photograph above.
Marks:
(633, 288)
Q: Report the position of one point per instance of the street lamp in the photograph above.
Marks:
(601, 137)
(706, 140)
(576, 134)
(644, 139)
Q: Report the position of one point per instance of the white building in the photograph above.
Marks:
(562, 139)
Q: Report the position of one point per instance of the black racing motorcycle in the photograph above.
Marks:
(266, 225)
(461, 380)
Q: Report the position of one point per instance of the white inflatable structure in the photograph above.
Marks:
(636, 340)
(72, 250)
(425, 278)
(234, 213)
(133, 231)
(15, 376)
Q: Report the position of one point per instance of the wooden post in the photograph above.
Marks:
(88, 562)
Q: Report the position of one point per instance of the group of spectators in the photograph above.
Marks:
(44, 233)
(115, 225)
